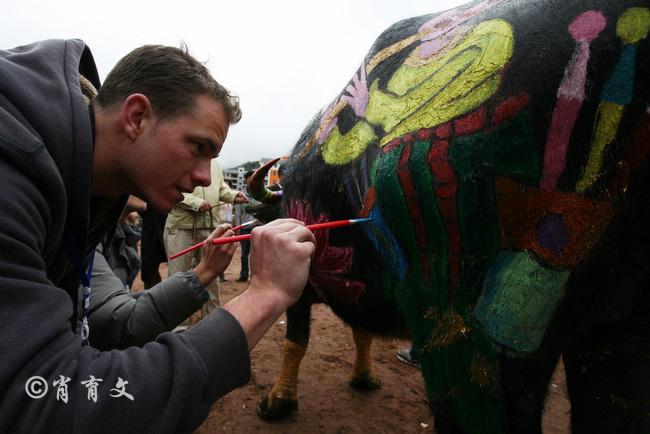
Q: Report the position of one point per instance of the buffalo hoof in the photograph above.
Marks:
(365, 382)
(276, 408)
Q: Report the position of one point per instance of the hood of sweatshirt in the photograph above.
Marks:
(45, 130)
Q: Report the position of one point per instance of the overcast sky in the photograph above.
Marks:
(284, 59)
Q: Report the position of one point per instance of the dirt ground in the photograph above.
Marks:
(326, 403)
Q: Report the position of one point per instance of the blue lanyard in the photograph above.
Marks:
(85, 282)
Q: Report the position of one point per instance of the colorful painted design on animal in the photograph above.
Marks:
(495, 161)
(632, 26)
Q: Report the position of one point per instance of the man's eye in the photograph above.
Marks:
(199, 147)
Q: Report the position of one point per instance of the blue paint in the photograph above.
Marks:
(385, 243)
(619, 87)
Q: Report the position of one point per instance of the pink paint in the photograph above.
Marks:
(575, 74)
(570, 97)
(564, 117)
(330, 126)
(587, 26)
(445, 25)
(331, 264)
(429, 48)
(358, 92)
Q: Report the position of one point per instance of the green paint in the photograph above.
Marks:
(519, 299)
(436, 249)
(511, 150)
(449, 376)
(391, 200)
(514, 151)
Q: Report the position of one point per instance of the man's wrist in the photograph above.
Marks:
(276, 297)
(204, 274)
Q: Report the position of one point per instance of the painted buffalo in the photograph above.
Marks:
(501, 149)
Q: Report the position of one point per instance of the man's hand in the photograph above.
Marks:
(215, 259)
(241, 198)
(280, 257)
(205, 206)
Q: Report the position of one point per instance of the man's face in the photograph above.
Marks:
(174, 155)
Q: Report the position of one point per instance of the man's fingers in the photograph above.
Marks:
(306, 239)
(302, 234)
(222, 230)
(280, 222)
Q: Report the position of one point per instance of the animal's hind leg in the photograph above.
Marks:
(363, 377)
(524, 382)
(282, 400)
(608, 375)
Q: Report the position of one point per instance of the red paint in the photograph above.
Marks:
(446, 188)
(410, 195)
(472, 122)
(391, 145)
(424, 134)
(443, 131)
(368, 202)
(331, 264)
(509, 108)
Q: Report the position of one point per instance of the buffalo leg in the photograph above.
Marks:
(282, 400)
(608, 375)
(363, 377)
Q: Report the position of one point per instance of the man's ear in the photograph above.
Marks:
(136, 110)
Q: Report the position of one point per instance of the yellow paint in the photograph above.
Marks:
(445, 86)
(633, 25)
(392, 49)
(448, 86)
(608, 119)
(341, 149)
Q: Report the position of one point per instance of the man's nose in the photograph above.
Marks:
(201, 176)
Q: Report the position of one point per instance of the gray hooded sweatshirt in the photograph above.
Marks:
(49, 382)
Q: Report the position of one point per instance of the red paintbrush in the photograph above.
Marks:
(236, 238)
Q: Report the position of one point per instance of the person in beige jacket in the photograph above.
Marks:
(192, 220)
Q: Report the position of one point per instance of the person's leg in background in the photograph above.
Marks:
(245, 251)
(152, 247)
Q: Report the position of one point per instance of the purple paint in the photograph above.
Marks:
(552, 233)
